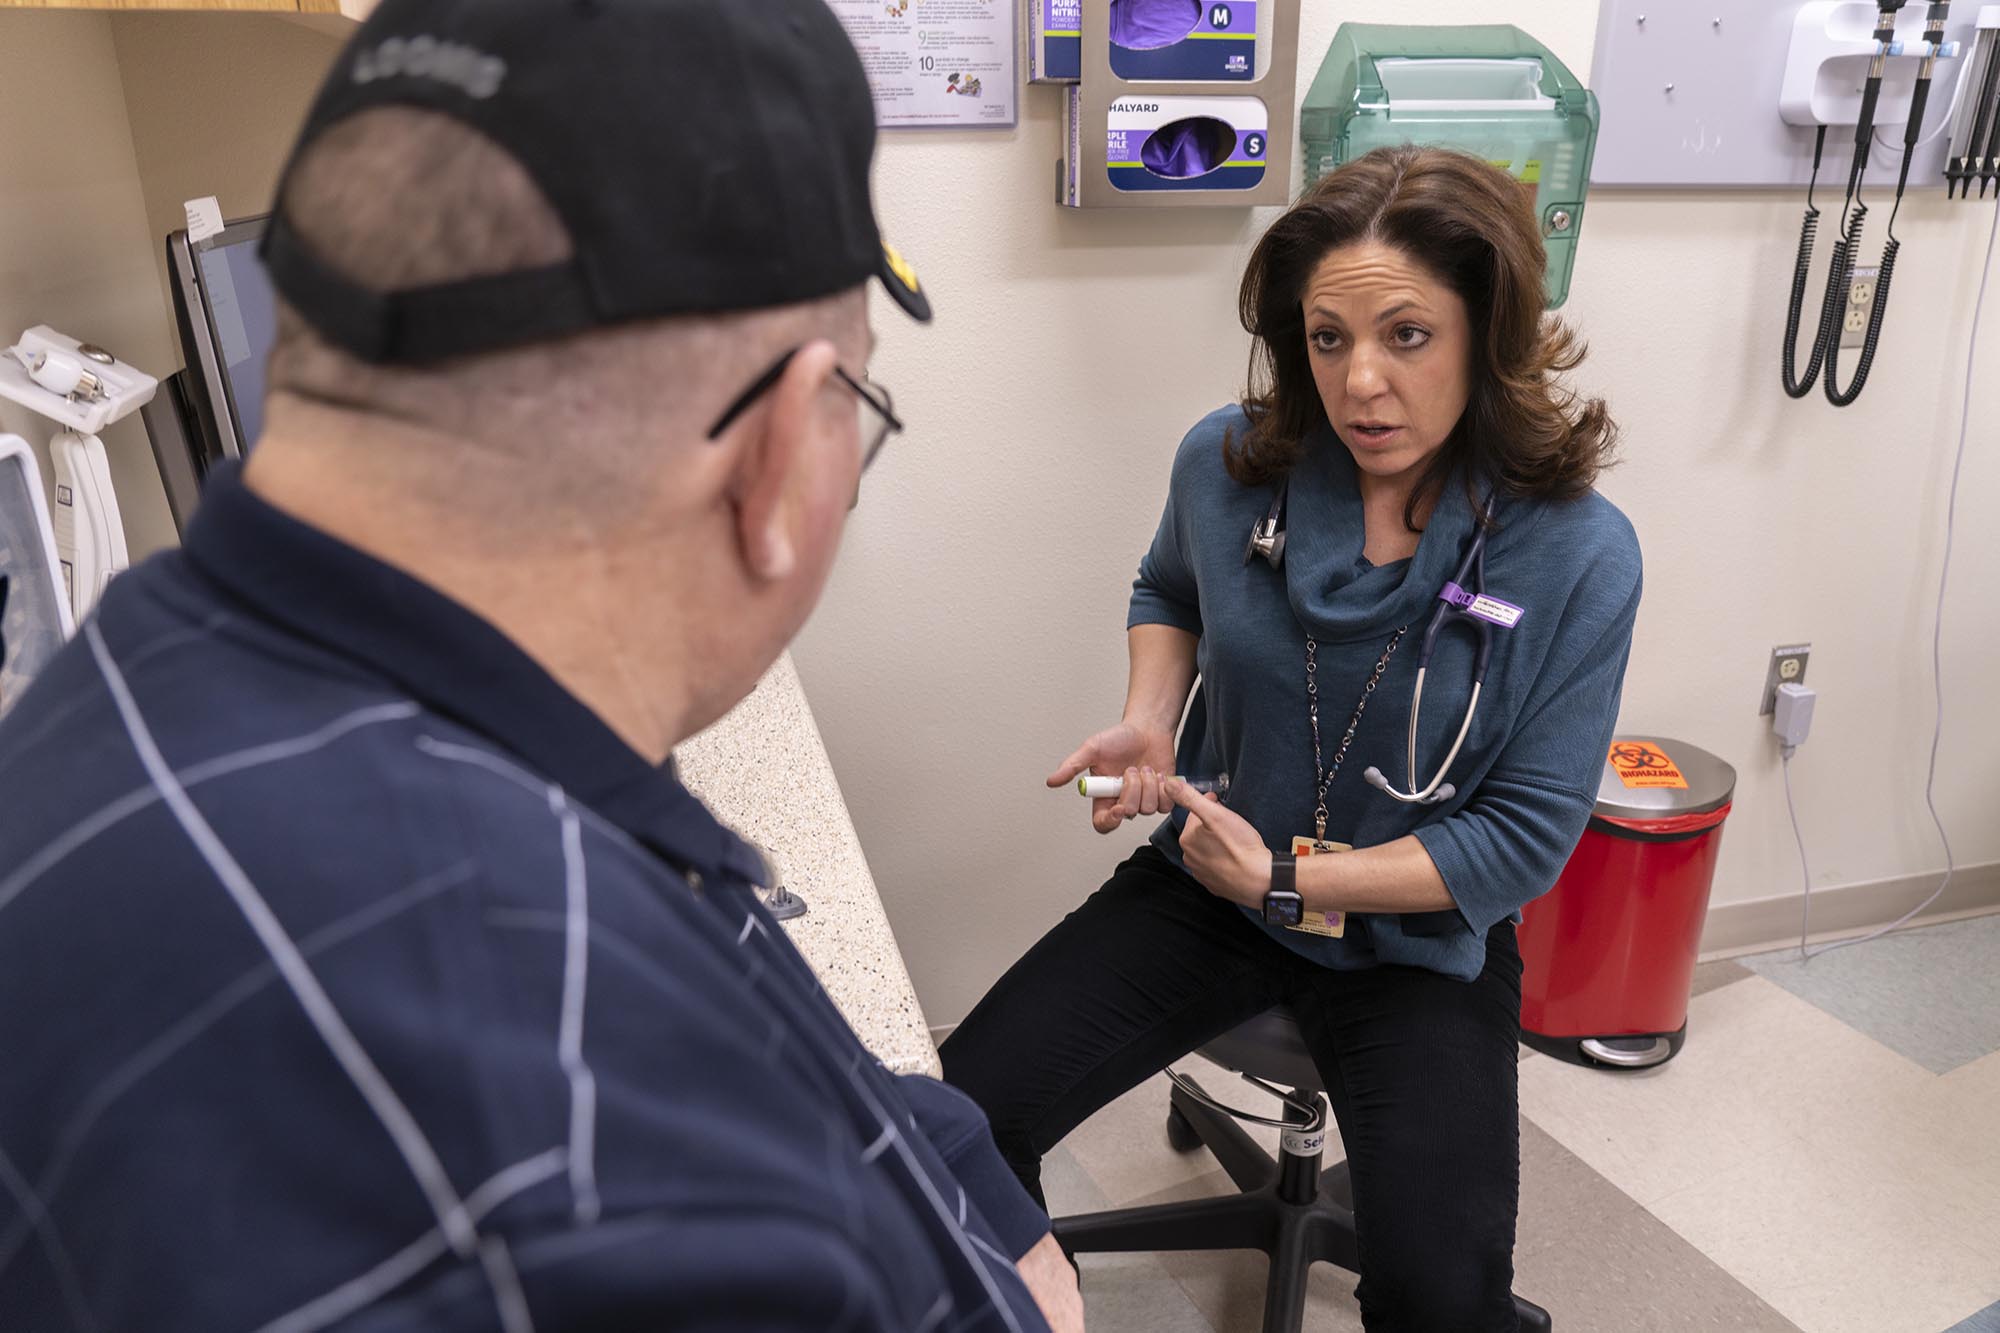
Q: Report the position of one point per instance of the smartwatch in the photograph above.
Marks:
(1282, 904)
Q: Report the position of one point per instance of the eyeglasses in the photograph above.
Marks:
(878, 419)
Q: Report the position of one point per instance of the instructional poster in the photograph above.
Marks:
(935, 62)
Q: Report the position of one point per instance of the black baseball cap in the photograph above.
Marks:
(704, 155)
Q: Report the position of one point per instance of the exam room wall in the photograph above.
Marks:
(74, 252)
(215, 103)
(974, 629)
(154, 109)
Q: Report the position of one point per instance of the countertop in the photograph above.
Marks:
(764, 771)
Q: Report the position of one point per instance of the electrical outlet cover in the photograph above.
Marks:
(1788, 667)
(1860, 300)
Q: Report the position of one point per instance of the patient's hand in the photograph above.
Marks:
(1053, 1283)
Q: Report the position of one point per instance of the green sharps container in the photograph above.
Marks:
(1488, 89)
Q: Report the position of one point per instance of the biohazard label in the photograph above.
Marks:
(1640, 765)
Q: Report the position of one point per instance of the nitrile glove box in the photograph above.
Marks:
(1207, 145)
(1186, 40)
(1055, 41)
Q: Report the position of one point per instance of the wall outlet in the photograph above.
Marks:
(1860, 303)
(1788, 667)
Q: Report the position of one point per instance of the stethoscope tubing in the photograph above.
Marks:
(1267, 538)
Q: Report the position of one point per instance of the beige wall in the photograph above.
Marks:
(974, 631)
(225, 128)
(110, 123)
(74, 251)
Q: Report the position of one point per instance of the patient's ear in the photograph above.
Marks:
(780, 465)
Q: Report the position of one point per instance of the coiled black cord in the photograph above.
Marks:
(1839, 279)
(1880, 305)
(1796, 385)
(1912, 137)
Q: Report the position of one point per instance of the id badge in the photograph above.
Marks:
(1332, 925)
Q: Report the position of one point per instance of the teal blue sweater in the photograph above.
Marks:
(1527, 776)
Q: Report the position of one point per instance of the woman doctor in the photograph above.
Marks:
(1403, 380)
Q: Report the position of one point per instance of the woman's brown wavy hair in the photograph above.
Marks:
(1474, 227)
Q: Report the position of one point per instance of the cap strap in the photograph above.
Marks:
(426, 324)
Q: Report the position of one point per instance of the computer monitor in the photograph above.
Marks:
(226, 316)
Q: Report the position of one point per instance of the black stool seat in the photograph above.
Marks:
(1271, 1047)
(1288, 1208)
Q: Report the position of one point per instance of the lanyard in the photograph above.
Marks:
(1322, 775)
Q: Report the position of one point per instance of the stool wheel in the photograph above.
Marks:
(1181, 1136)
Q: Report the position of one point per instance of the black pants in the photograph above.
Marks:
(1420, 1068)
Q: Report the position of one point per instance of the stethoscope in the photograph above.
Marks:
(1456, 602)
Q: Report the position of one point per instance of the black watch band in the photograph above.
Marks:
(1282, 904)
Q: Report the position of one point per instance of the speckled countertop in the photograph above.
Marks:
(764, 771)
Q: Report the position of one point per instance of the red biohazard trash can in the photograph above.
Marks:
(1608, 955)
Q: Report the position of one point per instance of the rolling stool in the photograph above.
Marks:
(1289, 1209)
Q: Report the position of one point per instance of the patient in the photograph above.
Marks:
(361, 960)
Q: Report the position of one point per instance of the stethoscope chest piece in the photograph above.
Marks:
(1267, 535)
(1267, 540)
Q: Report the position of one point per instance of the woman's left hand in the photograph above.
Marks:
(1221, 849)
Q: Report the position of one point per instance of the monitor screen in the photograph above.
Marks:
(227, 317)
(212, 409)
(244, 318)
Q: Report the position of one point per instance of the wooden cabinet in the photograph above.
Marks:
(353, 9)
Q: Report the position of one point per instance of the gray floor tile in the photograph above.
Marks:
(1134, 1293)
(1562, 1197)
(1122, 1293)
(1227, 1286)
(1596, 1260)
(1068, 1187)
(1933, 995)
(1716, 975)
(1986, 1321)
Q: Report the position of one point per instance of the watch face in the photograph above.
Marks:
(1284, 909)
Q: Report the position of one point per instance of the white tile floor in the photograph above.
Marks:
(1834, 1177)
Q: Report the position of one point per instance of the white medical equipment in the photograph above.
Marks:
(84, 389)
(34, 607)
(1801, 102)
(1101, 788)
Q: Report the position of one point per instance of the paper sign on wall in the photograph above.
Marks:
(935, 62)
(1640, 765)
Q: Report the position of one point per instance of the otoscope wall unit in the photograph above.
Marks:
(1733, 94)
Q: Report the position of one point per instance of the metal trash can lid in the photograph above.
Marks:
(1656, 777)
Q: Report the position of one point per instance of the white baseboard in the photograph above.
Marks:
(1851, 909)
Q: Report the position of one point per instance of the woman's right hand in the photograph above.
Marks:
(1142, 756)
